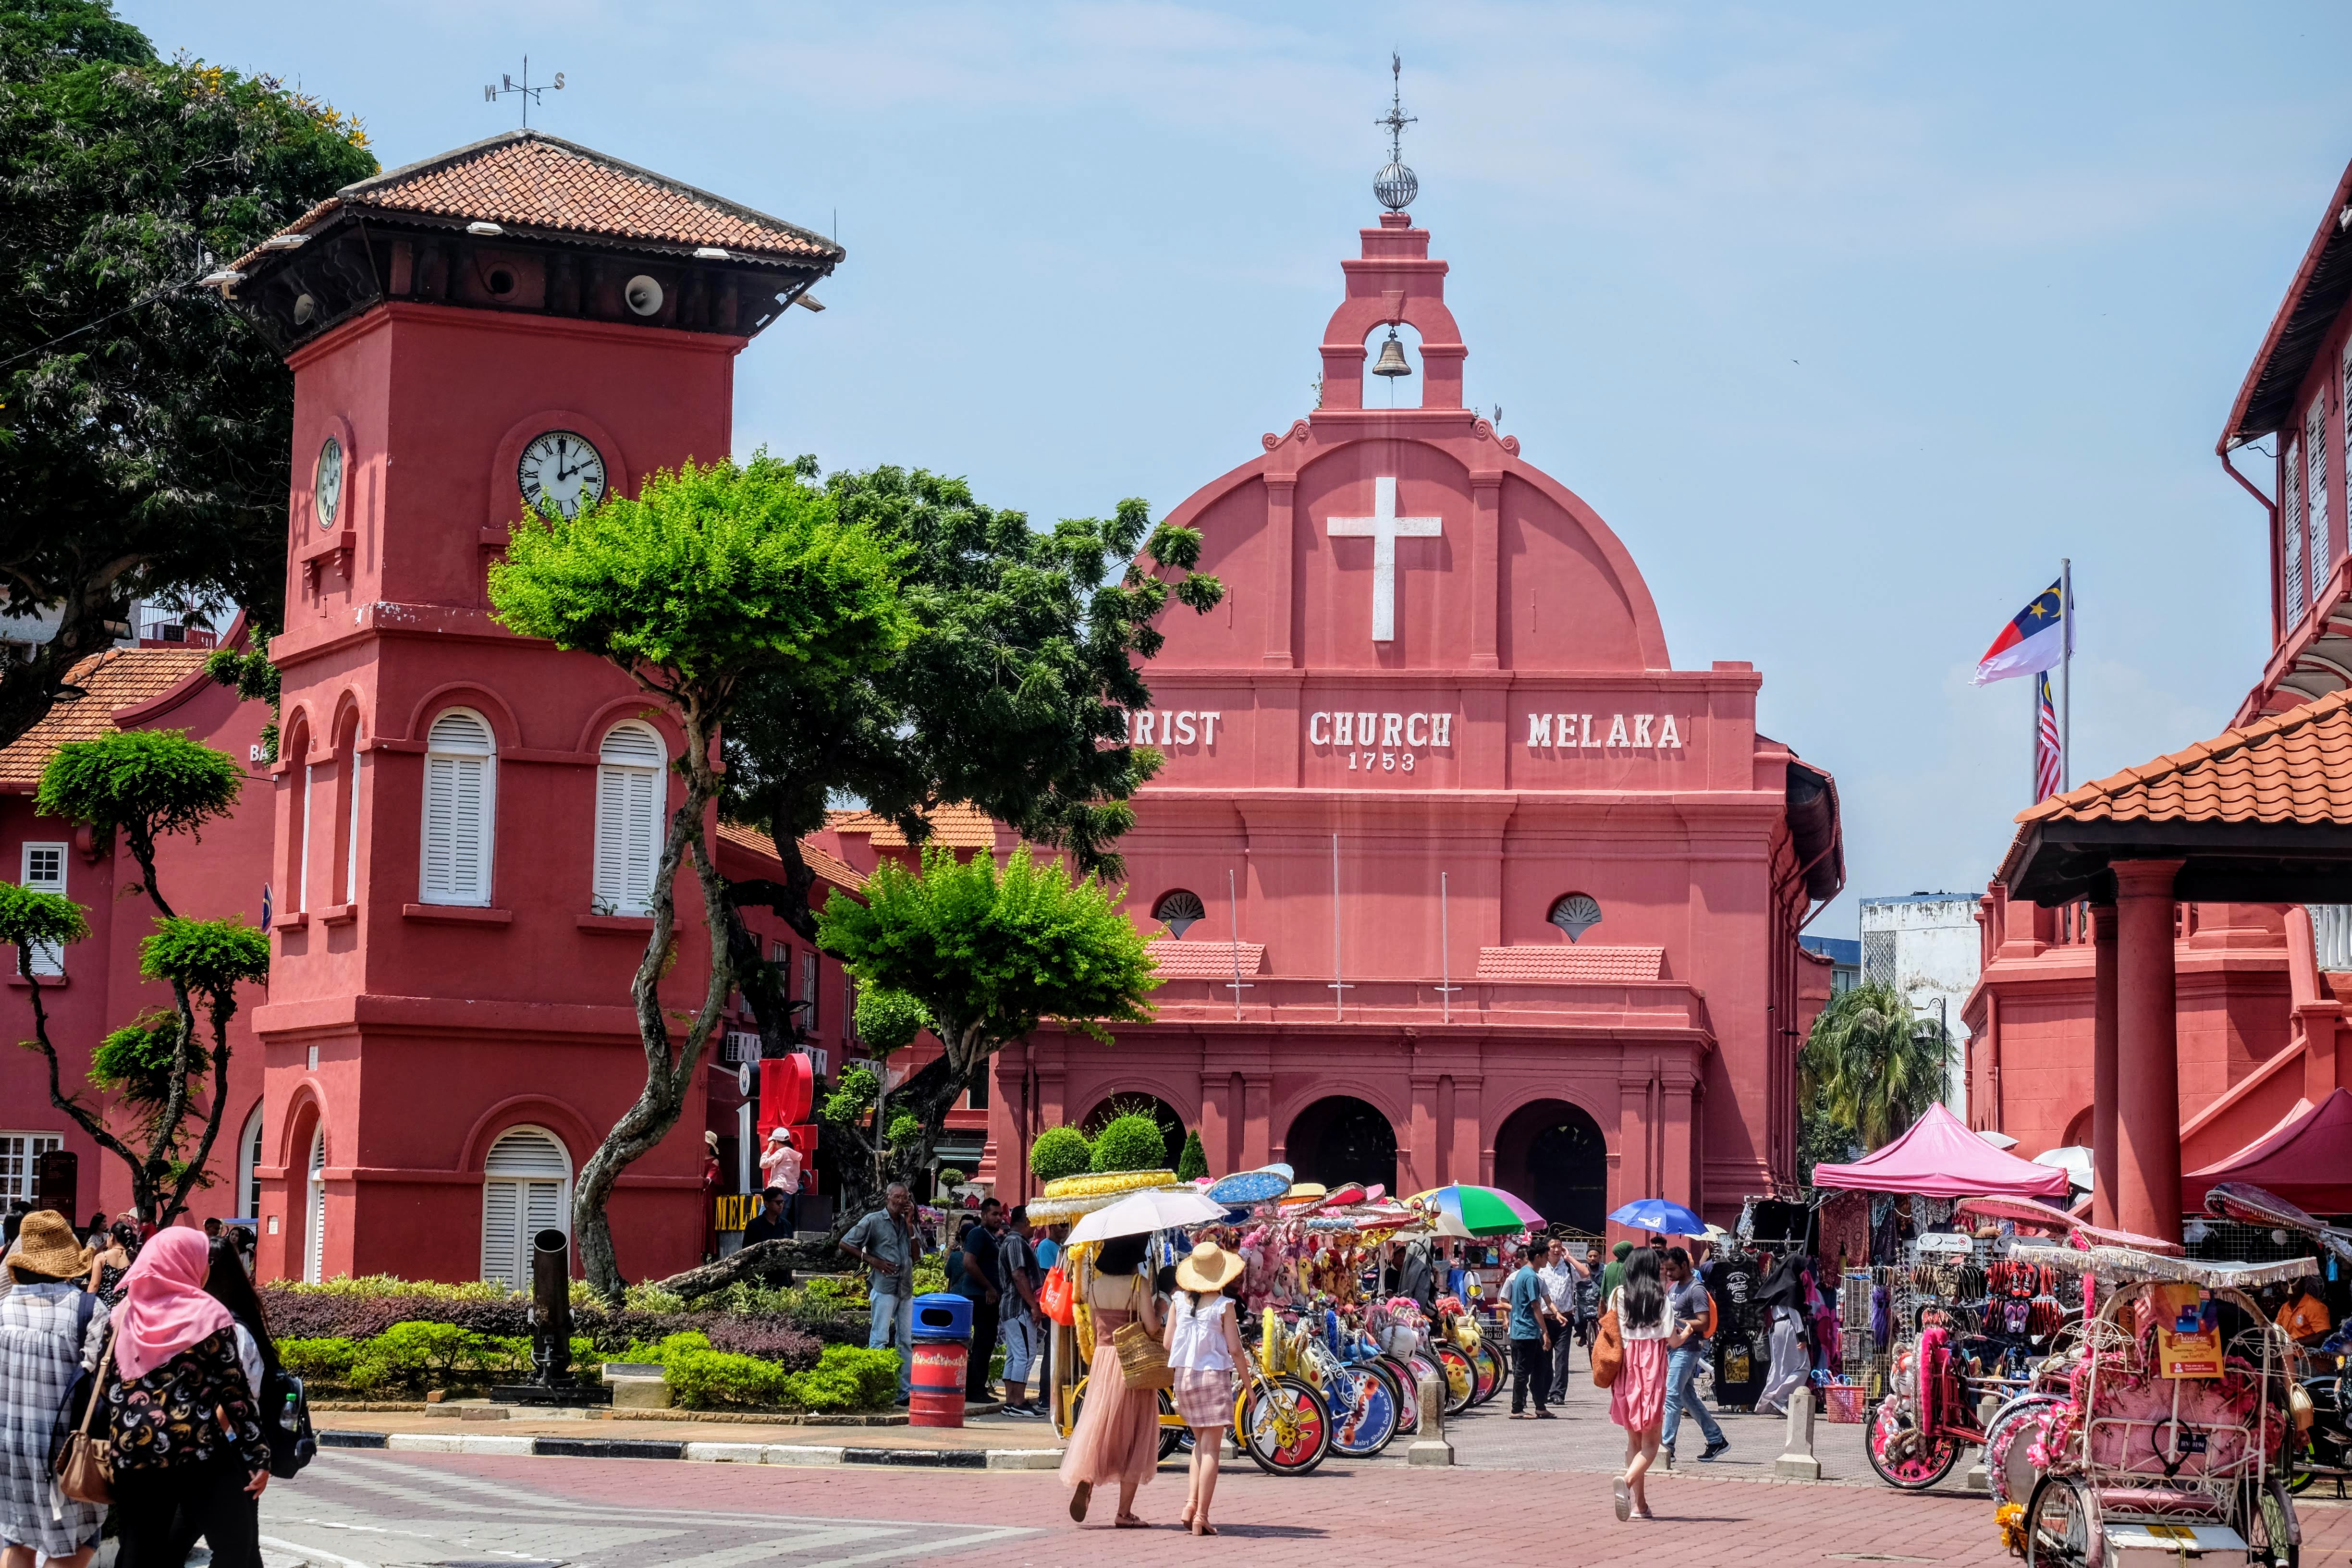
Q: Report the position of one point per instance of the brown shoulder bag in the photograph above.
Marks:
(1608, 1352)
(85, 1465)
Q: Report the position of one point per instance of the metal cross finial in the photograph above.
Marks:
(1396, 119)
(523, 89)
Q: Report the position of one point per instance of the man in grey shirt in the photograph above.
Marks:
(885, 1241)
(1686, 1295)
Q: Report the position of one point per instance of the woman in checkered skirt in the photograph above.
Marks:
(50, 1330)
(1204, 1350)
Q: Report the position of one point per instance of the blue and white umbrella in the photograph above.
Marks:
(1660, 1214)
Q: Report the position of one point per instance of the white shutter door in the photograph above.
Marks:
(456, 795)
(502, 1232)
(639, 834)
(542, 1210)
(314, 1234)
(302, 850)
(2291, 535)
(2314, 492)
(351, 831)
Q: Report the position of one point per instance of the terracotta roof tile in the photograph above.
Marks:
(820, 860)
(1579, 965)
(2291, 767)
(956, 827)
(112, 682)
(536, 181)
(1203, 960)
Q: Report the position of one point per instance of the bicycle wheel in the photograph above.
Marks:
(1903, 1455)
(1461, 1379)
(2274, 1535)
(1363, 1410)
(1407, 1383)
(1171, 1437)
(1488, 1365)
(1284, 1425)
(2010, 1472)
(2062, 1526)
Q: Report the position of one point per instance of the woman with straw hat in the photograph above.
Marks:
(50, 1331)
(1203, 1339)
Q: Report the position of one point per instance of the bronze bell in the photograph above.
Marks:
(1391, 359)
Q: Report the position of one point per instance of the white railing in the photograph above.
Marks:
(2331, 934)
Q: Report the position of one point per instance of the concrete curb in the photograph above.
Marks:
(793, 1454)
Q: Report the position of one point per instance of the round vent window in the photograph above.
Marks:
(1575, 913)
(1177, 911)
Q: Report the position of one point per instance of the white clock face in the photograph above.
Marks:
(326, 489)
(560, 470)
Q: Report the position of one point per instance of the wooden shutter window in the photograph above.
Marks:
(460, 801)
(2314, 492)
(302, 847)
(628, 818)
(314, 1222)
(42, 869)
(2291, 535)
(525, 1188)
(351, 827)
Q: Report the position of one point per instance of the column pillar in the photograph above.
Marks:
(2147, 1097)
(1218, 1122)
(2104, 1063)
(1258, 1118)
(1469, 1134)
(1485, 565)
(1420, 1154)
(1677, 1092)
(1281, 549)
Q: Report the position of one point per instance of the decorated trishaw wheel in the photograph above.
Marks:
(2062, 1526)
(2010, 1471)
(1283, 1424)
(1461, 1378)
(1369, 1418)
(1407, 1383)
(1905, 1457)
(1488, 1367)
(2274, 1535)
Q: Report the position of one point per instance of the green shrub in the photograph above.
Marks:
(1130, 1143)
(931, 1274)
(1193, 1163)
(1060, 1151)
(319, 1361)
(419, 1356)
(845, 1378)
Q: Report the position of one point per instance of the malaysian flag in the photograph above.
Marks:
(2045, 741)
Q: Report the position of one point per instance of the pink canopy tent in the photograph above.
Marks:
(1940, 1158)
(2306, 1159)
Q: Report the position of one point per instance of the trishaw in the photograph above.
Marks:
(2166, 1430)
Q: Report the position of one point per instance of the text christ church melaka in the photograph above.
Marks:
(1452, 876)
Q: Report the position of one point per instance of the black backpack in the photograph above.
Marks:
(286, 1422)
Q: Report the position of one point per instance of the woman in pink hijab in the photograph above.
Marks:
(183, 1419)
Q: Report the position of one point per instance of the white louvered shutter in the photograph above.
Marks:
(2291, 535)
(628, 818)
(314, 1223)
(2314, 492)
(460, 770)
(43, 871)
(526, 1189)
(352, 829)
(302, 848)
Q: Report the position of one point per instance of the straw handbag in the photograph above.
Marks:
(1142, 1361)
(1608, 1352)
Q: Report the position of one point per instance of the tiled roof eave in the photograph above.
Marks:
(585, 238)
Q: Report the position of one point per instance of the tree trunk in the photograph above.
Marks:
(764, 1262)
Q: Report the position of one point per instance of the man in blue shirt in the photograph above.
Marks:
(1530, 1362)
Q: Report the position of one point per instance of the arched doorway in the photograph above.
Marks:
(1552, 1155)
(1172, 1125)
(1342, 1139)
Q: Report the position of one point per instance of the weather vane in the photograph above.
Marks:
(523, 89)
(1394, 185)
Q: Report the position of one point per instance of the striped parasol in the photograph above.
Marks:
(1468, 1211)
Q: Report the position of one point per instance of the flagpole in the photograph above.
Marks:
(2065, 676)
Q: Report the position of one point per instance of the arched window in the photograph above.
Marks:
(525, 1188)
(1575, 913)
(348, 771)
(460, 809)
(314, 1212)
(1177, 909)
(296, 751)
(628, 818)
(249, 1158)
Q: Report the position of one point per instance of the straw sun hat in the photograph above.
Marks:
(46, 1247)
(1210, 1267)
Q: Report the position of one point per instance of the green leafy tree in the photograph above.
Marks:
(1869, 1068)
(990, 953)
(142, 786)
(1060, 1151)
(707, 577)
(145, 431)
(1130, 1143)
(1010, 694)
(253, 678)
(1192, 1163)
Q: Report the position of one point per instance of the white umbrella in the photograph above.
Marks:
(1998, 1140)
(1139, 1213)
(2072, 1159)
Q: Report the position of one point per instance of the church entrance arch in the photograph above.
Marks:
(1342, 1139)
(1136, 1103)
(1552, 1153)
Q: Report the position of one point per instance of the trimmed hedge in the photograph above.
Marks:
(1060, 1151)
(367, 1310)
(1130, 1143)
(702, 1377)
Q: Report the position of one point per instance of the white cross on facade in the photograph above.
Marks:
(1384, 528)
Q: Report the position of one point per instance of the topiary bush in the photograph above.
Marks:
(702, 1377)
(1130, 1143)
(1060, 1151)
(1193, 1163)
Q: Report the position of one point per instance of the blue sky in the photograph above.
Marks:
(1849, 318)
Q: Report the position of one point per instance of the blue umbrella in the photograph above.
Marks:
(1661, 1215)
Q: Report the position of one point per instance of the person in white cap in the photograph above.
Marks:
(780, 1161)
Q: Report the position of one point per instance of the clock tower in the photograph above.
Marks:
(465, 817)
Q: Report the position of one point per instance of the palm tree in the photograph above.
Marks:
(1871, 1064)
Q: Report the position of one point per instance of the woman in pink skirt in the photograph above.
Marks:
(1637, 1400)
(1116, 1440)
(1204, 1351)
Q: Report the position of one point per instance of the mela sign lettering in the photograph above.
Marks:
(1574, 732)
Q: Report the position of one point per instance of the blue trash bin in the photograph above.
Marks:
(942, 1315)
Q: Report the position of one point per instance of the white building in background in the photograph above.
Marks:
(1928, 947)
